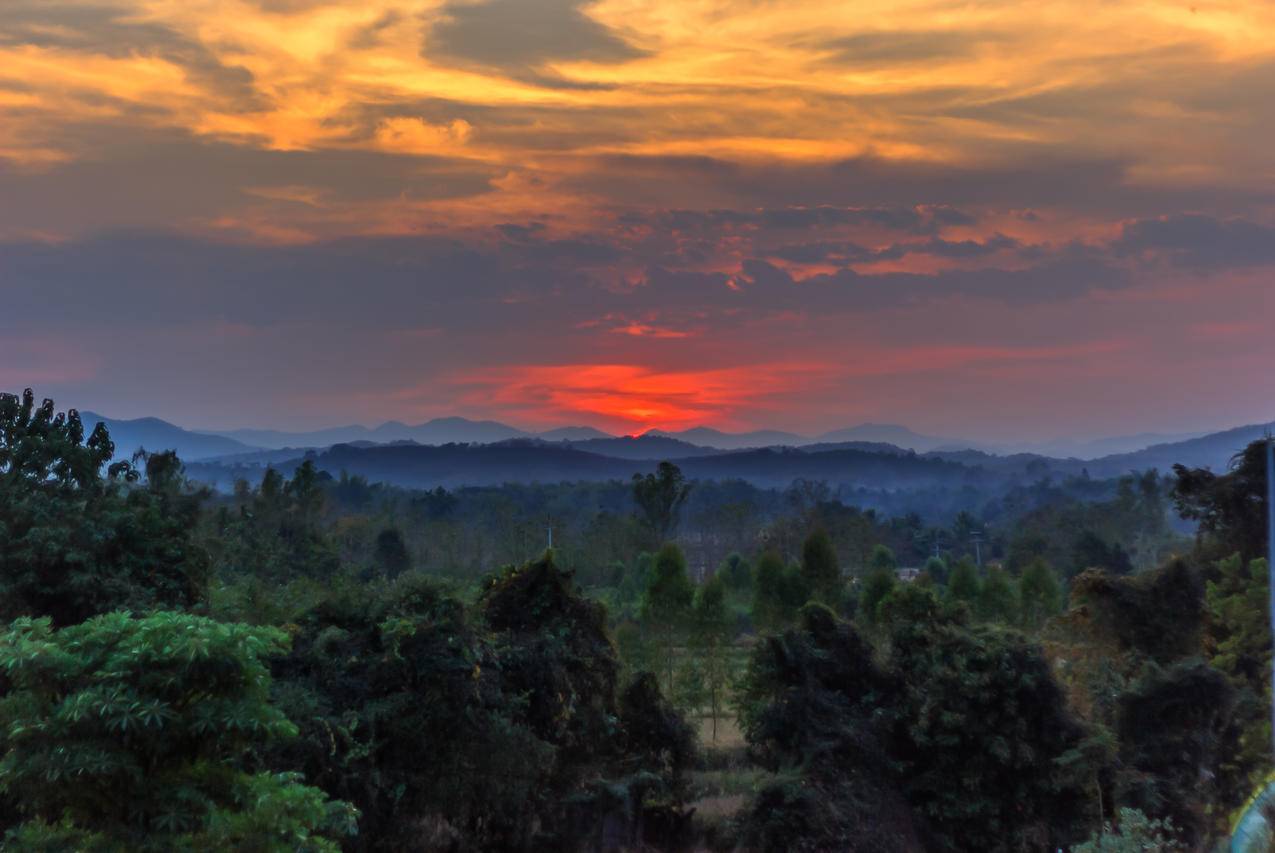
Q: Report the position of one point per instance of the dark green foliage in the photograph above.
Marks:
(1039, 594)
(964, 584)
(1230, 508)
(128, 733)
(656, 738)
(666, 606)
(276, 533)
(712, 631)
(1132, 833)
(1134, 655)
(554, 649)
(75, 543)
(997, 599)
(669, 591)
(882, 560)
(509, 722)
(806, 689)
(1084, 526)
(554, 652)
(636, 578)
(1239, 626)
(390, 552)
(1238, 603)
(1158, 614)
(819, 568)
(403, 712)
(737, 574)
(982, 727)
(936, 568)
(1091, 552)
(847, 811)
(507, 731)
(876, 588)
(659, 498)
(779, 591)
(959, 742)
(1170, 728)
(807, 708)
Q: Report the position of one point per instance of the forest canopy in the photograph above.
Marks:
(321, 662)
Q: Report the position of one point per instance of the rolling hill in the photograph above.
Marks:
(153, 434)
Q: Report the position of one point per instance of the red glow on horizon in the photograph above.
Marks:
(632, 398)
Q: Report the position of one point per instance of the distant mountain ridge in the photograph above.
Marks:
(534, 460)
(249, 446)
(1213, 450)
(153, 434)
(449, 430)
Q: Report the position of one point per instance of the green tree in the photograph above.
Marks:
(778, 593)
(882, 559)
(659, 498)
(1134, 832)
(957, 732)
(666, 606)
(819, 568)
(964, 584)
(1091, 552)
(636, 578)
(1039, 593)
(79, 535)
(129, 733)
(505, 727)
(876, 588)
(712, 635)
(560, 672)
(1230, 508)
(737, 574)
(278, 533)
(390, 552)
(1170, 726)
(997, 600)
(1238, 602)
(937, 570)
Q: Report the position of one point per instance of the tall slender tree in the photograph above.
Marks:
(819, 568)
(666, 607)
(659, 498)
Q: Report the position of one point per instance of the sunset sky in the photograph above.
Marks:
(997, 219)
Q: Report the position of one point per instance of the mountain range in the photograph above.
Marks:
(569, 452)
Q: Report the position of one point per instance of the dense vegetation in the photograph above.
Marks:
(313, 662)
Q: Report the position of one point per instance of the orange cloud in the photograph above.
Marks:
(789, 82)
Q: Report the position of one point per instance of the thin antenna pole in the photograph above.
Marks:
(1270, 556)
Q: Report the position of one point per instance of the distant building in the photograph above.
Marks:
(908, 575)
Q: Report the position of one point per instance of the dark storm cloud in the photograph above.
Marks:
(521, 37)
(1060, 278)
(1028, 179)
(1200, 242)
(852, 253)
(107, 31)
(135, 178)
(916, 220)
(289, 7)
(134, 282)
(370, 36)
(899, 47)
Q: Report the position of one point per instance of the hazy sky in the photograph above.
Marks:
(1006, 219)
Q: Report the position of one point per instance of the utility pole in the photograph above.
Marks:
(1270, 551)
(977, 536)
